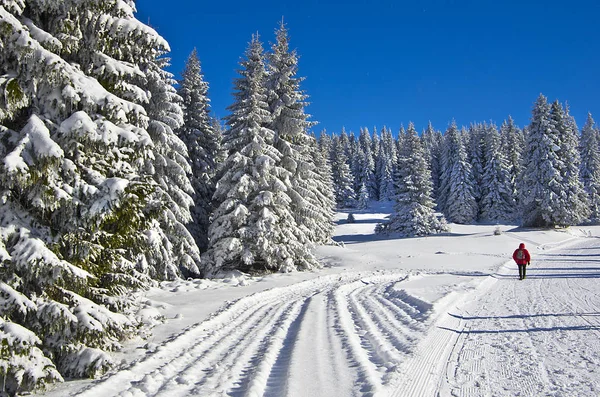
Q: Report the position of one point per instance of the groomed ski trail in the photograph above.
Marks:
(266, 344)
(536, 337)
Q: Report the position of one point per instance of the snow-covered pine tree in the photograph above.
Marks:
(375, 147)
(512, 145)
(311, 207)
(368, 162)
(253, 228)
(173, 252)
(357, 162)
(414, 213)
(342, 178)
(218, 129)
(325, 142)
(497, 200)
(574, 207)
(76, 213)
(358, 165)
(590, 165)
(456, 182)
(363, 197)
(387, 165)
(344, 143)
(324, 195)
(203, 142)
(476, 157)
(542, 179)
(432, 145)
(346, 146)
(398, 142)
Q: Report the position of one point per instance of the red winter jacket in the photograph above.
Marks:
(525, 258)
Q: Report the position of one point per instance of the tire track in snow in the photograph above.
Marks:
(260, 344)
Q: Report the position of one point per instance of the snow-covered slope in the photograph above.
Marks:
(440, 315)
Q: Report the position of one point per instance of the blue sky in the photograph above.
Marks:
(374, 63)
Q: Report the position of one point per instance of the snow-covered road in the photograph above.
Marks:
(536, 337)
(361, 333)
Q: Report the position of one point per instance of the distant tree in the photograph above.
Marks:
(375, 147)
(497, 201)
(573, 198)
(553, 193)
(342, 178)
(456, 182)
(398, 142)
(367, 162)
(513, 145)
(541, 175)
(475, 142)
(323, 229)
(325, 142)
(590, 165)
(363, 197)
(414, 213)
(432, 144)
(387, 165)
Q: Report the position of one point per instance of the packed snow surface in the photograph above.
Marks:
(443, 315)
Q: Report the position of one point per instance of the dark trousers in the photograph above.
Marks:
(522, 271)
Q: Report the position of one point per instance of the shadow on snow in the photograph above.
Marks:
(525, 316)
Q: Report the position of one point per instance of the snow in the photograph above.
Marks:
(438, 315)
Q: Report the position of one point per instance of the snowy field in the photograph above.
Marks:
(443, 315)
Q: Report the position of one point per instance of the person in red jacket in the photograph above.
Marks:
(521, 256)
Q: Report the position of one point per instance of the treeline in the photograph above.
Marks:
(546, 175)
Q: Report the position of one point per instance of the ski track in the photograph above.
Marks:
(540, 336)
(266, 344)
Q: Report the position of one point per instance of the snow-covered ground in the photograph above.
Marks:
(442, 315)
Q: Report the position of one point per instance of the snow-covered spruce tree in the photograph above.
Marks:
(173, 251)
(574, 207)
(324, 194)
(346, 145)
(456, 182)
(311, 207)
(497, 200)
(432, 144)
(542, 179)
(398, 142)
(375, 146)
(363, 197)
(341, 176)
(76, 203)
(387, 165)
(414, 213)
(513, 145)
(357, 162)
(203, 143)
(475, 141)
(590, 165)
(253, 228)
(325, 142)
(368, 163)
